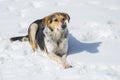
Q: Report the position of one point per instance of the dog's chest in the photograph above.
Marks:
(55, 41)
(55, 35)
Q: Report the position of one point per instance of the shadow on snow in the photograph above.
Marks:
(75, 46)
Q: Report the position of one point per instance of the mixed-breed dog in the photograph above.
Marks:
(50, 34)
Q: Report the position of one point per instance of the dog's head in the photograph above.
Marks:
(56, 21)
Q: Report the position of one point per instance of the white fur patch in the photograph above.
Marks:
(53, 37)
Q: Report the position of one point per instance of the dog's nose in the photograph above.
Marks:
(64, 26)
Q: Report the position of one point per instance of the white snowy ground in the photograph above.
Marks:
(94, 44)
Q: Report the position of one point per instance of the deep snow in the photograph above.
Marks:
(94, 40)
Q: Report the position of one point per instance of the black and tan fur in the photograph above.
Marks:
(51, 35)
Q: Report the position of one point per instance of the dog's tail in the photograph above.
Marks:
(20, 38)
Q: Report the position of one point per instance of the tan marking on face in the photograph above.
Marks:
(58, 19)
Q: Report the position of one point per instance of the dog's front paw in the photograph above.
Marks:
(67, 66)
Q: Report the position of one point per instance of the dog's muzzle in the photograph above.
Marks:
(64, 26)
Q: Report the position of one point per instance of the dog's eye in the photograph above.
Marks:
(56, 20)
(63, 19)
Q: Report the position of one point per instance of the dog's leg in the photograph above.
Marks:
(32, 34)
(44, 51)
(64, 63)
(60, 60)
(56, 58)
(64, 49)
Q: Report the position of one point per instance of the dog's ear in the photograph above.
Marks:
(66, 16)
(45, 21)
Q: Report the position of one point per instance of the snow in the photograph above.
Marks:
(94, 40)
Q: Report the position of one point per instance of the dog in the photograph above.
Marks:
(50, 34)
